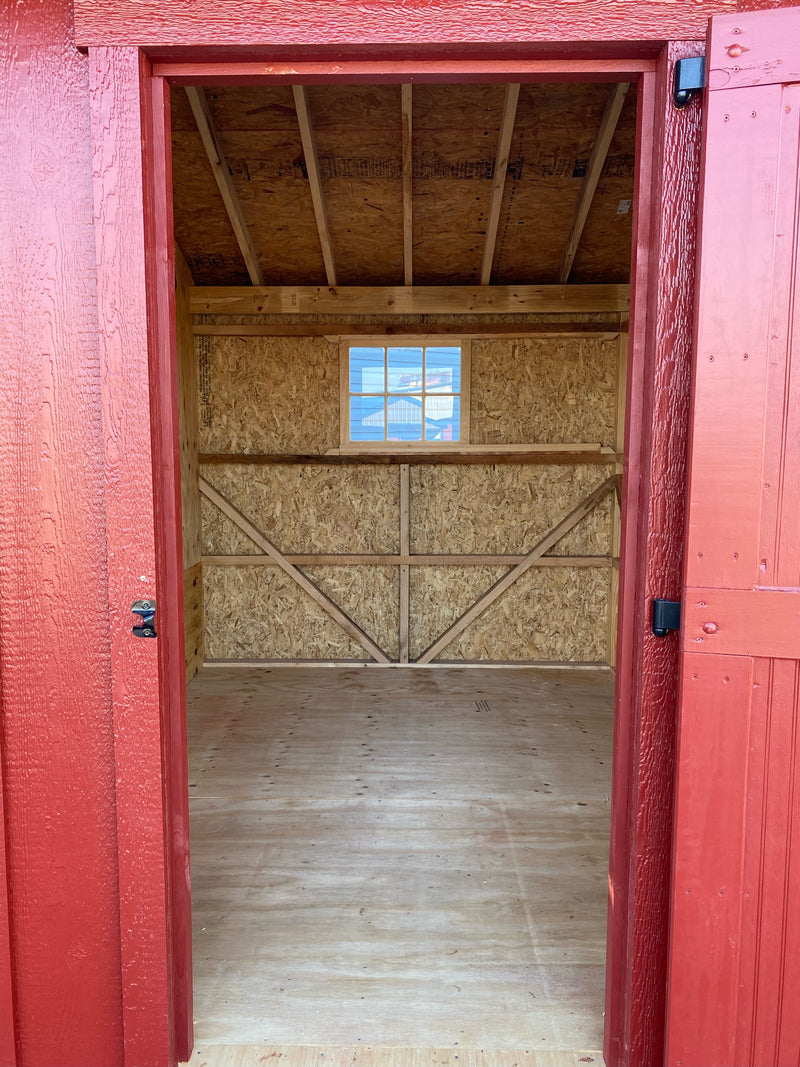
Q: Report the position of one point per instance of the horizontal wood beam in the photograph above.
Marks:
(407, 300)
(539, 664)
(475, 331)
(568, 454)
(272, 71)
(337, 559)
(222, 175)
(278, 558)
(499, 587)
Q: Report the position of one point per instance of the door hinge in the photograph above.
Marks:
(146, 610)
(690, 78)
(666, 616)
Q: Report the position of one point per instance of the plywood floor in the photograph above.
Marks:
(388, 865)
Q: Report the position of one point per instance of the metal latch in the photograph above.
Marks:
(146, 610)
(666, 616)
(690, 78)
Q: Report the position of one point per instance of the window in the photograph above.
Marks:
(401, 392)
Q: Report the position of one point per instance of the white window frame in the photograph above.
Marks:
(411, 340)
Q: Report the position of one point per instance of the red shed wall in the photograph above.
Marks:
(58, 758)
(58, 754)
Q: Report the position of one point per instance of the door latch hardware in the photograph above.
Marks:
(146, 610)
(690, 78)
(666, 616)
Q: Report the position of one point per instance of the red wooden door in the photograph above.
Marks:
(734, 978)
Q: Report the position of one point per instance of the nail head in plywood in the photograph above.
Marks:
(300, 94)
(605, 133)
(222, 174)
(499, 181)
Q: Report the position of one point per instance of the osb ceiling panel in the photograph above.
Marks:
(358, 136)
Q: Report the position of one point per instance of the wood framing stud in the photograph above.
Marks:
(499, 183)
(405, 549)
(492, 594)
(597, 159)
(315, 185)
(408, 300)
(222, 174)
(408, 184)
(296, 575)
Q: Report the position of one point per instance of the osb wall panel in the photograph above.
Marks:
(221, 536)
(552, 390)
(260, 613)
(268, 394)
(505, 508)
(553, 614)
(281, 395)
(304, 509)
(369, 595)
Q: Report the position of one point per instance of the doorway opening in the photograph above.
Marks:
(400, 646)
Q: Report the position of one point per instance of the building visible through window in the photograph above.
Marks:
(404, 393)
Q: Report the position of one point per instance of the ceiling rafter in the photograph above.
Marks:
(406, 105)
(300, 94)
(216, 157)
(499, 182)
(597, 159)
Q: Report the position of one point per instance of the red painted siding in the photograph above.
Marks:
(734, 975)
(64, 653)
(137, 354)
(315, 23)
(57, 730)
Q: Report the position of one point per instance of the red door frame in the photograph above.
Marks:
(658, 391)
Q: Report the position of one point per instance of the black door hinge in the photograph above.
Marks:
(690, 78)
(666, 616)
